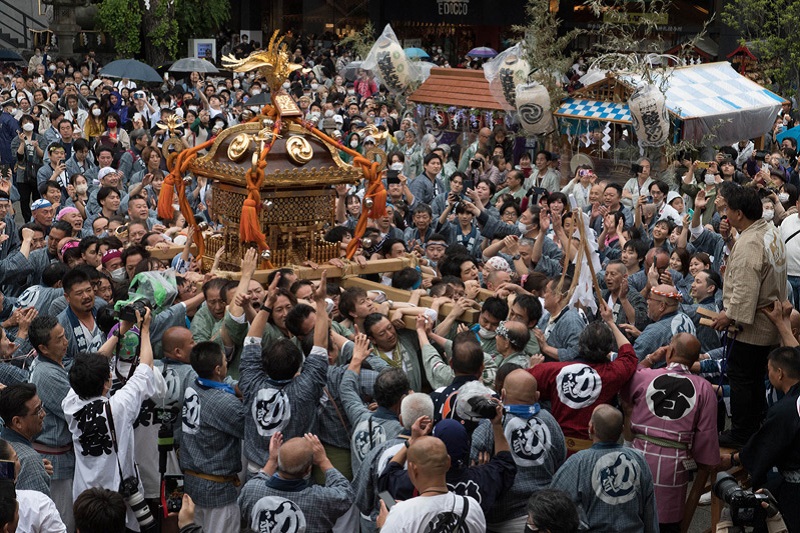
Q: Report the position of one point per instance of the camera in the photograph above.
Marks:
(483, 407)
(745, 505)
(139, 95)
(475, 164)
(128, 313)
(636, 168)
(129, 489)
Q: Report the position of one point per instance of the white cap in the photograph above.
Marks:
(105, 171)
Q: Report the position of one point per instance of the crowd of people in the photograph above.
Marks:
(136, 388)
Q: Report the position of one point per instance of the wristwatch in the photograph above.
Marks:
(516, 257)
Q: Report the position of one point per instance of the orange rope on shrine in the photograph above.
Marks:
(375, 189)
(175, 180)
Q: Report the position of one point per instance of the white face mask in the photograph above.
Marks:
(118, 274)
(783, 197)
(82, 188)
(27, 127)
(523, 228)
(353, 144)
(97, 112)
(329, 113)
(314, 86)
(256, 91)
(768, 215)
(236, 85)
(393, 115)
(710, 179)
(486, 334)
(286, 85)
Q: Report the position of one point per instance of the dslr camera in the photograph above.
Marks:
(745, 505)
(475, 164)
(129, 489)
(483, 407)
(128, 313)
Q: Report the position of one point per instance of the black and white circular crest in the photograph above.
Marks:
(190, 414)
(363, 441)
(578, 385)
(682, 324)
(273, 514)
(671, 396)
(615, 478)
(271, 410)
(530, 113)
(529, 440)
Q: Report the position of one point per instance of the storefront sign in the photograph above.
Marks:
(453, 7)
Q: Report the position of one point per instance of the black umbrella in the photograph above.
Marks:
(10, 55)
(260, 99)
(132, 70)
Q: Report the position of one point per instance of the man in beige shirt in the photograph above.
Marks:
(755, 277)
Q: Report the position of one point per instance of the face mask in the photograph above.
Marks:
(393, 115)
(28, 127)
(286, 85)
(256, 91)
(783, 197)
(52, 68)
(82, 188)
(118, 274)
(70, 70)
(329, 113)
(486, 334)
(112, 124)
(313, 117)
(353, 144)
(768, 215)
(710, 179)
(314, 86)
(397, 166)
(523, 228)
(97, 111)
(236, 85)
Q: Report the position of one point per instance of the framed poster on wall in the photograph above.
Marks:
(199, 47)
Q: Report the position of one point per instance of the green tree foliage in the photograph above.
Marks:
(201, 19)
(770, 28)
(160, 30)
(361, 41)
(121, 20)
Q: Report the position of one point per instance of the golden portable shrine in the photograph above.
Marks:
(298, 201)
(272, 179)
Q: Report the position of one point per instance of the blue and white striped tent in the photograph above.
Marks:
(707, 98)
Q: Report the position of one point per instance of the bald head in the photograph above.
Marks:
(176, 343)
(606, 423)
(520, 388)
(686, 349)
(794, 320)
(294, 458)
(518, 335)
(429, 456)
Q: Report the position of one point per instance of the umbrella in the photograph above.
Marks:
(132, 70)
(261, 99)
(793, 133)
(416, 53)
(193, 64)
(482, 51)
(10, 55)
(349, 71)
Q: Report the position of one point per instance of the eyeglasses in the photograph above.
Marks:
(39, 411)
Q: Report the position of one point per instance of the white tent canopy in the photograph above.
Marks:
(710, 98)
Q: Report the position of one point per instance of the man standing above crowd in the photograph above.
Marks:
(757, 269)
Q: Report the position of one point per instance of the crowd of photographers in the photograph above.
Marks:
(140, 386)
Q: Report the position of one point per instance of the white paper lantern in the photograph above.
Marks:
(649, 115)
(533, 108)
(504, 73)
(392, 65)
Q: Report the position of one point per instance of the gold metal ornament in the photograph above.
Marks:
(273, 63)
(299, 149)
(368, 203)
(239, 146)
(376, 155)
(171, 147)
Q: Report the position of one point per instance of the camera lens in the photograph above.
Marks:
(140, 509)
